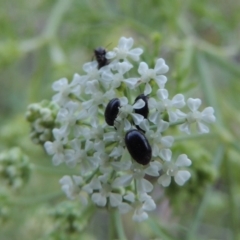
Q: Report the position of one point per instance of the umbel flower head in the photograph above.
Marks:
(111, 130)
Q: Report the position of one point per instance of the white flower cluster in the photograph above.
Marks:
(107, 173)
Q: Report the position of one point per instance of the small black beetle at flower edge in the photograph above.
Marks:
(144, 110)
(138, 146)
(100, 55)
(111, 111)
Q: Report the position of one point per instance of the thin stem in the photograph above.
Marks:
(118, 225)
(48, 169)
(55, 18)
(232, 203)
(111, 232)
(177, 123)
(194, 136)
(37, 199)
(201, 209)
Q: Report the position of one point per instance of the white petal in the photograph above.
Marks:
(57, 159)
(181, 177)
(162, 94)
(149, 205)
(88, 67)
(124, 208)
(202, 128)
(181, 114)
(155, 150)
(178, 101)
(131, 82)
(49, 148)
(144, 125)
(77, 179)
(137, 118)
(153, 169)
(58, 85)
(166, 154)
(129, 197)
(144, 185)
(161, 67)
(123, 101)
(139, 104)
(154, 117)
(173, 117)
(143, 68)
(185, 128)
(110, 55)
(152, 103)
(125, 67)
(183, 161)
(139, 216)
(162, 126)
(148, 89)
(167, 141)
(127, 125)
(99, 200)
(115, 199)
(126, 42)
(161, 81)
(122, 181)
(135, 53)
(194, 103)
(164, 180)
(208, 115)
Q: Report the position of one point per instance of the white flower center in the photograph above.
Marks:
(170, 168)
(193, 116)
(137, 172)
(122, 53)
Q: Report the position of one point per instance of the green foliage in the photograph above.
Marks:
(42, 41)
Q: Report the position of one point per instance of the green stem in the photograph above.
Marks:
(118, 224)
(177, 123)
(202, 207)
(194, 136)
(55, 18)
(48, 169)
(232, 203)
(111, 229)
(37, 199)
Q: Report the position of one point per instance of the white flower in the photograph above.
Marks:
(93, 73)
(64, 89)
(158, 142)
(105, 192)
(165, 104)
(146, 203)
(149, 74)
(195, 116)
(137, 172)
(69, 186)
(56, 148)
(115, 80)
(80, 155)
(67, 115)
(171, 169)
(127, 109)
(97, 98)
(123, 50)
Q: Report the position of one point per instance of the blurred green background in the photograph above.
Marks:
(42, 41)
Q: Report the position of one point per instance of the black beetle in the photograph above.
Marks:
(111, 111)
(138, 146)
(144, 110)
(100, 55)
